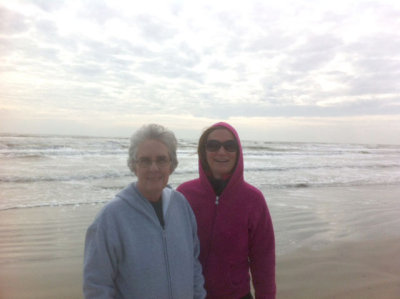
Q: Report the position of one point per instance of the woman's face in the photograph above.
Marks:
(221, 161)
(153, 167)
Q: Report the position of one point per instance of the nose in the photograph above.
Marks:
(221, 150)
(153, 166)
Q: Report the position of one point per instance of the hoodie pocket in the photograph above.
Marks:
(239, 273)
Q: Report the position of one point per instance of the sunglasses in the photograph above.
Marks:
(215, 145)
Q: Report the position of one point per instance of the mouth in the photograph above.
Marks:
(221, 161)
(156, 178)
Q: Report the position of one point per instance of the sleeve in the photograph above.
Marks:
(199, 291)
(262, 252)
(100, 263)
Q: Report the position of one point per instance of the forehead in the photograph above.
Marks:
(221, 135)
(152, 148)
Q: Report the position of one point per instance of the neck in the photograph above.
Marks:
(153, 197)
(150, 196)
(221, 176)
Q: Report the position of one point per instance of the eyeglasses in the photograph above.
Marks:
(215, 145)
(146, 162)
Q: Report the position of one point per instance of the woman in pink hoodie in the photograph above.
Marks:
(234, 225)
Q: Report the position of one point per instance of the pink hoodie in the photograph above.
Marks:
(235, 232)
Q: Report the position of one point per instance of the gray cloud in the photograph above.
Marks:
(164, 68)
(270, 43)
(365, 107)
(377, 45)
(173, 63)
(160, 65)
(374, 85)
(6, 45)
(12, 22)
(314, 53)
(154, 29)
(98, 11)
(48, 6)
(47, 30)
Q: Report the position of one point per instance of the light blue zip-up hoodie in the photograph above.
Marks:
(128, 254)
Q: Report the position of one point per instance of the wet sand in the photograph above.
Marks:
(331, 243)
(369, 269)
(41, 251)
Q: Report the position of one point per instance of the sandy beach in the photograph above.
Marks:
(41, 251)
(344, 246)
(369, 269)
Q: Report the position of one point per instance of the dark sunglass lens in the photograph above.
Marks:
(213, 145)
(230, 146)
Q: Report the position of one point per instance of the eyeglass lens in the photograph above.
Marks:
(215, 145)
(146, 162)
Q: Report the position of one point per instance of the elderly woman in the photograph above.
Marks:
(235, 228)
(144, 244)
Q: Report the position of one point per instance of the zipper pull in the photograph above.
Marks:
(217, 200)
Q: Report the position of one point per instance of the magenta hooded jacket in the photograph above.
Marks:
(235, 232)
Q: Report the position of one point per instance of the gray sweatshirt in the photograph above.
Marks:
(129, 255)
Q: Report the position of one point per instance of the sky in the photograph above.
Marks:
(308, 71)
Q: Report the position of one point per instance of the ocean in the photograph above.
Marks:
(43, 170)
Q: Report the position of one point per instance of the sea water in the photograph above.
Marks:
(69, 170)
(317, 193)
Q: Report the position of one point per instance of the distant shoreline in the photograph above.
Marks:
(193, 139)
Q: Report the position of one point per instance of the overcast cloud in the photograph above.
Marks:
(270, 67)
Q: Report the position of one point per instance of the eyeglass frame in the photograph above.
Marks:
(229, 145)
(146, 162)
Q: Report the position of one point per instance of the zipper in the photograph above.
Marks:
(167, 264)
(212, 230)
